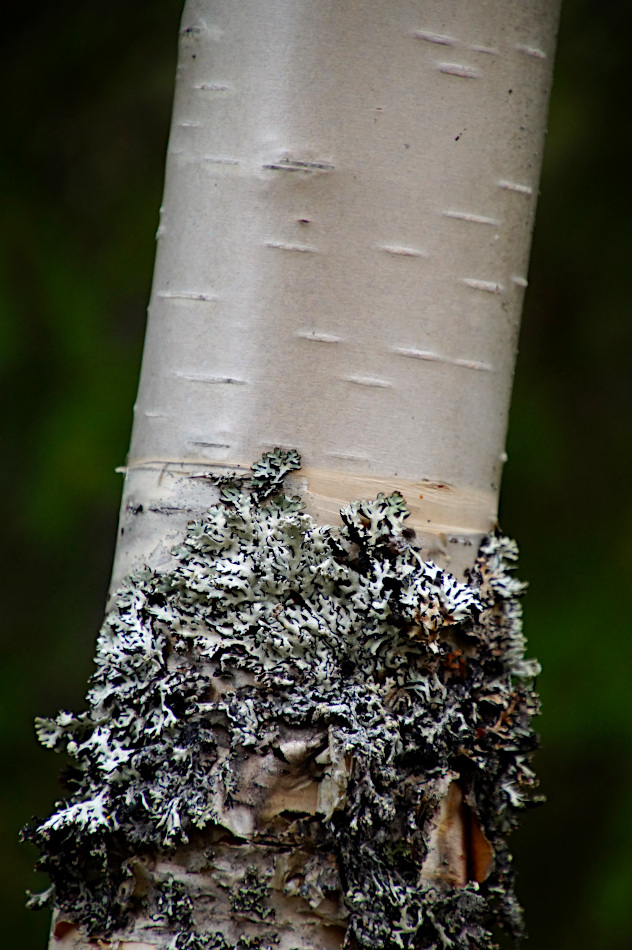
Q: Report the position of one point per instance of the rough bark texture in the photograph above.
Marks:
(298, 732)
(301, 734)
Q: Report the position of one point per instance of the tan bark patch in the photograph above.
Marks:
(458, 849)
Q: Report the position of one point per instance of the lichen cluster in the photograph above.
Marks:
(270, 626)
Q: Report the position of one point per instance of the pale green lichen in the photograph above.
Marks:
(403, 673)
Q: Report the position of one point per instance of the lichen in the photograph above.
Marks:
(248, 898)
(271, 627)
(215, 941)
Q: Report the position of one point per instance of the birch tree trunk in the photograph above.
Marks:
(342, 257)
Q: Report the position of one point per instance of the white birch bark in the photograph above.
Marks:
(342, 258)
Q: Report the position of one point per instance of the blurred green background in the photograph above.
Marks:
(86, 111)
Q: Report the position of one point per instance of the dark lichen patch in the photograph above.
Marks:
(270, 629)
(216, 941)
(174, 904)
(248, 898)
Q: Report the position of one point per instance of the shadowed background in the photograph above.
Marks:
(86, 114)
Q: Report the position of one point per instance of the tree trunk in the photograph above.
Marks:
(295, 732)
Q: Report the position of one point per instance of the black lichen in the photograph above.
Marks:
(413, 683)
(247, 899)
(215, 941)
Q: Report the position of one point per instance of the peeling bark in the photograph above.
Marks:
(299, 734)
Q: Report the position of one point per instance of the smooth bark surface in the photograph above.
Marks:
(342, 257)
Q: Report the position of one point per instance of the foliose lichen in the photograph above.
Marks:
(413, 685)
